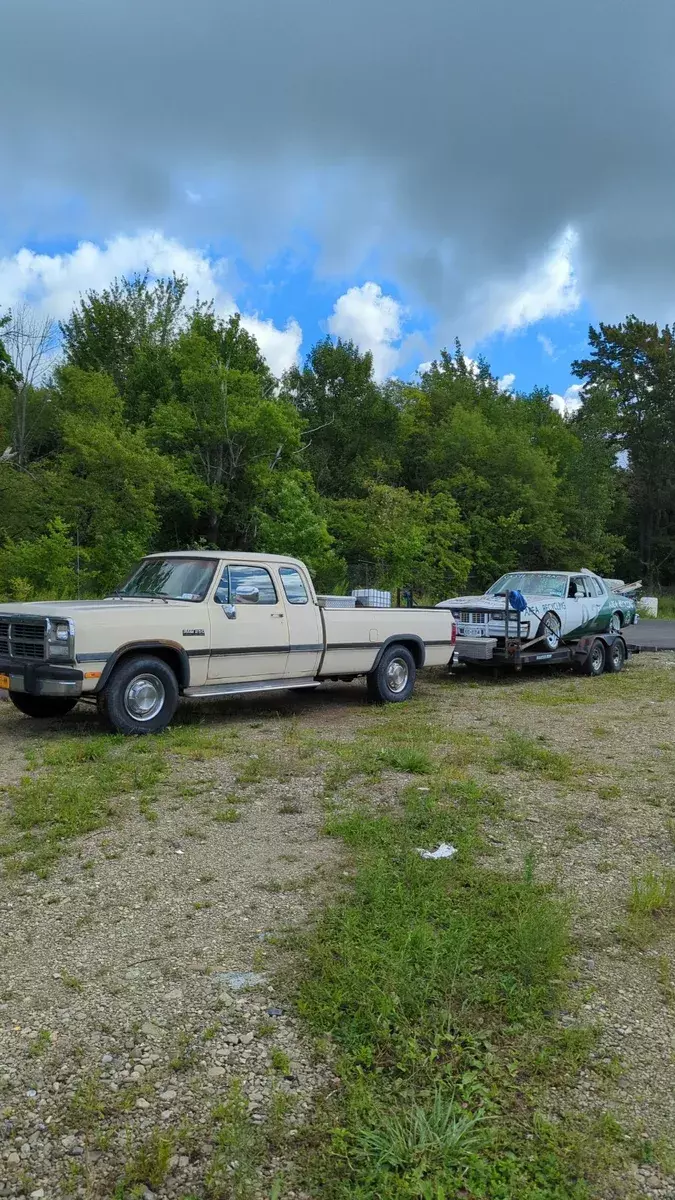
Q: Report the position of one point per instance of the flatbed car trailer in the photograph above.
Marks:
(591, 654)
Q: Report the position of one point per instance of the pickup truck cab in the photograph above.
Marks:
(205, 624)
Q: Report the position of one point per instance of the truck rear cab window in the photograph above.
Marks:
(242, 576)
(295, 590)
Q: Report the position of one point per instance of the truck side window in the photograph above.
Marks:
(252, 577)
(295, 590)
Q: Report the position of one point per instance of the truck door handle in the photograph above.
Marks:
(279, 616)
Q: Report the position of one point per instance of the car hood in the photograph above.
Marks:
(493, 603)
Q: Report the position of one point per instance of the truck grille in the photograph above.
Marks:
(22, 639)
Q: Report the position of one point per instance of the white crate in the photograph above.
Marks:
(372, 598)
(336, 601)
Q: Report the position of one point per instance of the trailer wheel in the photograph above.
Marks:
(550, 630)
(615, 657)
(393, 679)
(594, 664)
(140, 697)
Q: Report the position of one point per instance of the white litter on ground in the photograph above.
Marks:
(445, 850)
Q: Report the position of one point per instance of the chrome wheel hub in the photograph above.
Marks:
(615, 625)
(397, 675)
(144, 697)
(596, 658)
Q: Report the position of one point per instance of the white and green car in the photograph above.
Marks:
(561, 606)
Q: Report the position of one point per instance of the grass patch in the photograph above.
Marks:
(556, 694)
(527, 754)
(436, 983)
(651, 898)
(70, 792)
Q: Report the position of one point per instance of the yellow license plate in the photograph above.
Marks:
(4, 682)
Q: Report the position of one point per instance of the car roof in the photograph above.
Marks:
(243, 556)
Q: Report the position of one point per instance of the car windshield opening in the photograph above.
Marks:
(170, 579)
(530, 583)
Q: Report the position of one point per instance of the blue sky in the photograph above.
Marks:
(292, 300)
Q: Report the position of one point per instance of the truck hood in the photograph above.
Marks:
(67, 608)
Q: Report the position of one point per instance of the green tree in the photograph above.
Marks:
(394, 538)
(632, 367)
(108, 329)
(350, 422)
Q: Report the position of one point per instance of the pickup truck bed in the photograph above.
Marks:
(203, 624)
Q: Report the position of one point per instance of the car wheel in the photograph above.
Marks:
(550, 630)
(615, 656)
(140, 697)
(393, 679)
(42, 707)
(594, 664)
(615, 623)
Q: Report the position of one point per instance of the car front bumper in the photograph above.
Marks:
(41, 679)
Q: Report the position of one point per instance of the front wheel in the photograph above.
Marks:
(615, 623)
(42, 707)
(140, 697)
(550, 630)
(393, 679)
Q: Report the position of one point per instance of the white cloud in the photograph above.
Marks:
(53, 283)
(546, 345)
(569, 402)
(546, 289)
(424, 367)
(281, 347)
(373, 320)
(505, 384)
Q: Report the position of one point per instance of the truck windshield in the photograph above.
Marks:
(530, 583)
(170, 579)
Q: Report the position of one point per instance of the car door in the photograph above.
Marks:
(581, 605)
(249, 627)
(304, 624)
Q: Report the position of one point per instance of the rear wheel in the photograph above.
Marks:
(595, 663)
(42, 706)
(550, 630)
(615, 623)
(140, 697)
(616, 656)
(393, 679)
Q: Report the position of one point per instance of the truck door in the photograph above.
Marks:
(252, 643)
(304, 625)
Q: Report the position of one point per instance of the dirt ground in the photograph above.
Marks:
(146, 971)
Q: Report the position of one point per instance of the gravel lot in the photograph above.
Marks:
(146, 972)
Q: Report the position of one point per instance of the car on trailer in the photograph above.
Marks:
(562, 607)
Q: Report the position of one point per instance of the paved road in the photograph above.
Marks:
(651, 635)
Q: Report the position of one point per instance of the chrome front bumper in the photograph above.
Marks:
(42, 679)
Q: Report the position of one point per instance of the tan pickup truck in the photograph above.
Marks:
(204, 624)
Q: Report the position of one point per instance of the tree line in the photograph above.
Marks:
(143, 424)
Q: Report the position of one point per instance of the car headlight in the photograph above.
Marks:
(60, 639)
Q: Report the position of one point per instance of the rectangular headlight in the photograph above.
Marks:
(60, 639)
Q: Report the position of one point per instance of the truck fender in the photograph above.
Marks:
(183, 672)
(413, 642)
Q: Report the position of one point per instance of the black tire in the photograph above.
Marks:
(615, 623)
(615, 657)
(393, 679)
(550, 630)
(138, 682)
(594, 663)
(42, 707)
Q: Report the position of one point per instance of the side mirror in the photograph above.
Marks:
(247, 595)
(230, 611)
